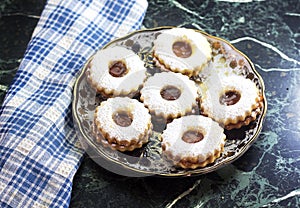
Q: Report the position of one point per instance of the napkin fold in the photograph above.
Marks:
(40, 152)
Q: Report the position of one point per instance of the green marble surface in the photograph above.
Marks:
(268, 174)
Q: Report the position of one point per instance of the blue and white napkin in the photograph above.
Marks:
(39, 150)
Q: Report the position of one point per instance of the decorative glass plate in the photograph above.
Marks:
(148, 159)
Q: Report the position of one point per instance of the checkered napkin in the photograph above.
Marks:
(39, 150)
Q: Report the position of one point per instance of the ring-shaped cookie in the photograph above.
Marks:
(180, 89)
(182, 50)
(233, 101)
(124, 123)
(193, 141)
(116, 71)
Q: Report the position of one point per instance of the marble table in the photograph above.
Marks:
(268, 174)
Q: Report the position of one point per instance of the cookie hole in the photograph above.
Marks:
(192, 136)
(182, 49)
(230, 97)
(117, 69)
(123, 118)
(170, 92)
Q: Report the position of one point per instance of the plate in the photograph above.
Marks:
(148, 159)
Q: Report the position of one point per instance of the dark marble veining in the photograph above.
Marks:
(268, 174)
(17, 21)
